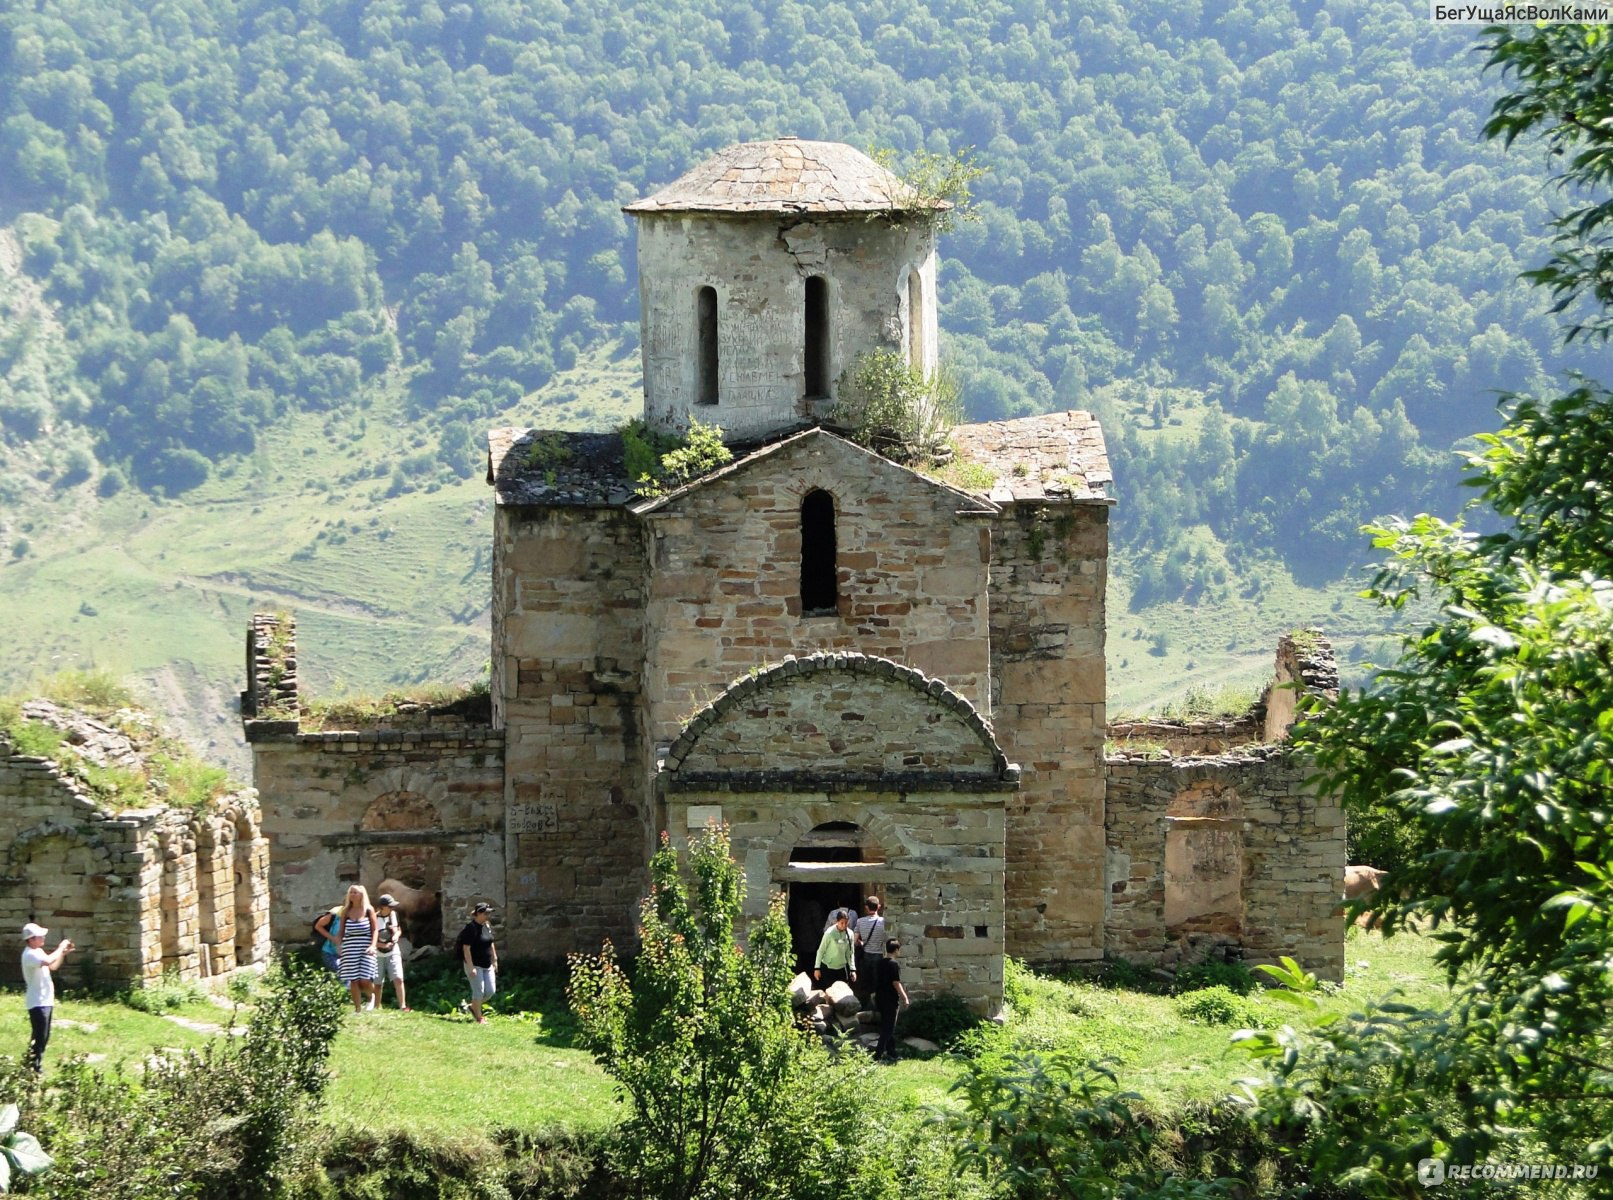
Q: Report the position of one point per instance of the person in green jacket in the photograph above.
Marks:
(834, 961)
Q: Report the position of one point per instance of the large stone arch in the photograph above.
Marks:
(842, 716)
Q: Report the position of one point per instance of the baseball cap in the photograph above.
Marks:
(31, 930)
(385, 900)
(481, 907)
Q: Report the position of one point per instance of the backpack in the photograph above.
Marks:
(327, 949)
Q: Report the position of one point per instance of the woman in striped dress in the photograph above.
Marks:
(356, 959)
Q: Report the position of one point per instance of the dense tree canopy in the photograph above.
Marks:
(243, 206)
(1491, 741)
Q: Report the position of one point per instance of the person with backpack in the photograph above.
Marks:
(869, 935)
(389, 949)
(328, 937)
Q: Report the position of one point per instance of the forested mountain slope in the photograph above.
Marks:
(1261, 238)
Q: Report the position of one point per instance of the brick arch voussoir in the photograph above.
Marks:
(777, 675)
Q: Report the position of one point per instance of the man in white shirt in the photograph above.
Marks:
(41, 987)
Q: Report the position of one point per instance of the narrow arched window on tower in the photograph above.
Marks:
(706, 323)
(817, 336)
(915, 320)
(819, 586)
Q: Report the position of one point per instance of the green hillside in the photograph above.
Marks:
(268, 270)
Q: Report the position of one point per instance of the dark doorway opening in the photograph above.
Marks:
(809, 908)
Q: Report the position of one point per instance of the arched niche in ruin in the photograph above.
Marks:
(396, 858)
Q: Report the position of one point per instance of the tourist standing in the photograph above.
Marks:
(357, 958)
(389, 949)
(476, 948)
(835, 959)
(891, 996)
(37, 967)
(870, 939)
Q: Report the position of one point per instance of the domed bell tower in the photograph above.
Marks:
(766, 272)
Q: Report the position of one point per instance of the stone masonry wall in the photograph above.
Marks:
(1049, 571)
(725, 578)
(941, 880)
(139, 892)
(834, 714)
(318, 789)
(758, 267)
(568, 630)
(1291, 859)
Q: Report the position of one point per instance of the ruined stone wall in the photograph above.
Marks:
(139, 892)
(1233, 850)
(1305, 665)
(724, 586)
(1178, 738)
(569, 634)
(1049, 572)
(321, 792)
(759, 267)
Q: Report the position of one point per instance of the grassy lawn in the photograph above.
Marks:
(436, 1073)
(418, 1071)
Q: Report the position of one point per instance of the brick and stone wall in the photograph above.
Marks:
(1049, 571)
(1234, 849)
(931, 824)
(724, 587)
(139, 892)
(569, 637)
(331, 803)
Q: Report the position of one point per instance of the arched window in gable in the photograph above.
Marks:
(820, 589)
(706, 351)
(817, 336)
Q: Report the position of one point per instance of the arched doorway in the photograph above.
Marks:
(828, 869)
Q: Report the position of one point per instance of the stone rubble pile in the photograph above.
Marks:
(834, 1012)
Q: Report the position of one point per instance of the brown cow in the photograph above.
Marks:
(419, 911)
(1362, 883)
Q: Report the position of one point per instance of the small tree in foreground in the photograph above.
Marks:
(728, 1097)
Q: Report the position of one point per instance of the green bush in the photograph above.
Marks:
(1217, 1005)
(236, 1120)
(940, 1019)
(167, 993)
(1231, 975)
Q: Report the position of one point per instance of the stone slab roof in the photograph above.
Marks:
(785, 175)
(1055, 456)
(540, 466)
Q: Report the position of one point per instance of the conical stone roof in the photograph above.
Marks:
(786, 175)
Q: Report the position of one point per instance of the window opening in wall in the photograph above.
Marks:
(817, 336)
(915, 319)
(706, 320)
(819, 586)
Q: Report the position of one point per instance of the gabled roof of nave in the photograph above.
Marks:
(786, 175)
(1053, 456)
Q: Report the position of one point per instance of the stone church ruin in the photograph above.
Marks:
(882, 682)
(143, 892)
